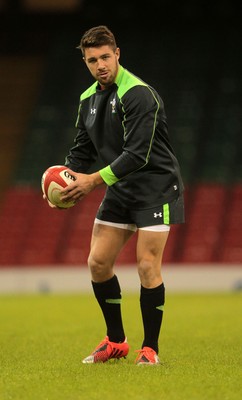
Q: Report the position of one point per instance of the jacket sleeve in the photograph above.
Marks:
(83, 154)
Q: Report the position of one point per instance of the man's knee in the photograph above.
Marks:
(101, 270)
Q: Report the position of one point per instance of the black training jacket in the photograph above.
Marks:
(125, 127)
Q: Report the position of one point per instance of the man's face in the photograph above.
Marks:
(103, 63)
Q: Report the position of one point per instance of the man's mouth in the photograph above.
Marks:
(103, 74)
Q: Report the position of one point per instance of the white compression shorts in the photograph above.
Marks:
(133, 227)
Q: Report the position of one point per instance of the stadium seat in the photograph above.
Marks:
(203, 223)
(231, 246)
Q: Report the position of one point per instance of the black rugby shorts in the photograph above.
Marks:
(113, 210)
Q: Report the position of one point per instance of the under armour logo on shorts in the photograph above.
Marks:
(156, 215)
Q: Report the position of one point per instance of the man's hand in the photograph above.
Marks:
(83, 184)
(50, 204)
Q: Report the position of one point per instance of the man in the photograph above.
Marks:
(121, 120)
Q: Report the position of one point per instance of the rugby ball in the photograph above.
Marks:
(53, 180)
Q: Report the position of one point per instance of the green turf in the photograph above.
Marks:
(44, 337)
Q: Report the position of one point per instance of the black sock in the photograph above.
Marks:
(108, 295)
(152, 302)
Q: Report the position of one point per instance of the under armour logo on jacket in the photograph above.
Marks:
(93, 110)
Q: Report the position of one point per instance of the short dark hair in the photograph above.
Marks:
(96, 37)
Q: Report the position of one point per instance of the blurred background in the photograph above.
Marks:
(190, 51)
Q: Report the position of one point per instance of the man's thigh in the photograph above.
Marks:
(151, 245)
(107, 242)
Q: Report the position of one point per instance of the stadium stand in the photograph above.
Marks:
(230, 250)
(200, 78)
(20, 78)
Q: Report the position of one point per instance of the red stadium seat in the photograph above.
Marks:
(231, 246)
(203, 223)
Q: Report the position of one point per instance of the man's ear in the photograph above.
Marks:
(117, 52)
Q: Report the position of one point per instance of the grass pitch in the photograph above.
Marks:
(43, 339)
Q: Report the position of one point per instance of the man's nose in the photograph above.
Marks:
(100, 63)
